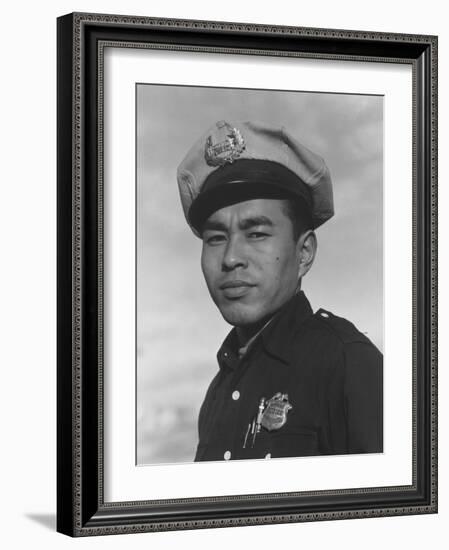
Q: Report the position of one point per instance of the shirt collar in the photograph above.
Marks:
(278, 335)
(227, 355)
(275, 336)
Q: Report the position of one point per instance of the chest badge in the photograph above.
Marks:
(275, 413)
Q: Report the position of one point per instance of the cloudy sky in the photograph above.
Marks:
(178, 327)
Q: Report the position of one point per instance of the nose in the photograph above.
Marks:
(234, 255)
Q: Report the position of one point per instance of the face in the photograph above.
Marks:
(250, 260)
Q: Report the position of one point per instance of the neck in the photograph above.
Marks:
(247, 332)
(244, 334)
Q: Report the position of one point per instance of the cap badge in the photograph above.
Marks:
(275, 412)
(228, 149)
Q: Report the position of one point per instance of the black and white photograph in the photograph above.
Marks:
(246, 274)
(259, 274)
(222, 322)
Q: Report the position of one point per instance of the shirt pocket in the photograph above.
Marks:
(301, 442)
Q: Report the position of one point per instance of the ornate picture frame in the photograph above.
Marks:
(82, 508)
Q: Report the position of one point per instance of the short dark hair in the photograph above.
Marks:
(299, 214)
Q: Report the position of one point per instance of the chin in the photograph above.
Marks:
(240, 315)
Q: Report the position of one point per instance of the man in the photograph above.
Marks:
(290, 382)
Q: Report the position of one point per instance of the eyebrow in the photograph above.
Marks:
(245, 224)
(214, 226)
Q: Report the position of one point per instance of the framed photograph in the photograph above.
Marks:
(247, 278)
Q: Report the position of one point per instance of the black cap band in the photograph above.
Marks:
(244, 180)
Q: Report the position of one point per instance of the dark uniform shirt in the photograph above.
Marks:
(331, 373)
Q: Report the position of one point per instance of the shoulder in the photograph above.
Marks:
(341, 344)
(338, 327)
(358, 352)
(336, 336)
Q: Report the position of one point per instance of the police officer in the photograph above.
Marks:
(290, 382)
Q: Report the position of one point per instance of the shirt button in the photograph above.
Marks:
(235, 395)
(268, 455)
(227, 455)
(324, 314)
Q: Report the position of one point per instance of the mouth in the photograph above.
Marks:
(235, 289)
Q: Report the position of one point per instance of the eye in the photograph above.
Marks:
(256, 235)
(214, 239)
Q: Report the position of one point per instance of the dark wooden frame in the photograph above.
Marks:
(81, 509)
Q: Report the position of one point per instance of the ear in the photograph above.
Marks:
(306, 248)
